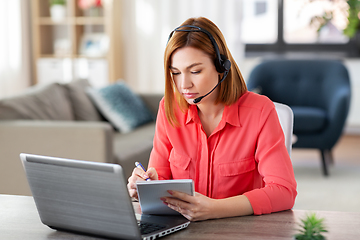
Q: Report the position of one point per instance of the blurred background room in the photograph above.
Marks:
(103, 41)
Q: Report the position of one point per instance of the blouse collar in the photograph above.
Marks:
(230, 115)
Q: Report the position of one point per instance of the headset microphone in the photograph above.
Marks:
(197, 100)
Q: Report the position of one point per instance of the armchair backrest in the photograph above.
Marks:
(299, 82)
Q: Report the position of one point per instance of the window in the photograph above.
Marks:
(301, 26)
(303, 18)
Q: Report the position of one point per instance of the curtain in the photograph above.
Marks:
(15, 73)
(148, 23)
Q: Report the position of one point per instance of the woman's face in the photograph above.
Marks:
(194, 74)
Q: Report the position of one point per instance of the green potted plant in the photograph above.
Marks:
(57, 2)
(311, 228)
(353, 26)
(57, 10)
(353, 18)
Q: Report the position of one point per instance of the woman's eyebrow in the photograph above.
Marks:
(188, 67)
(173, 68)
(193, 65)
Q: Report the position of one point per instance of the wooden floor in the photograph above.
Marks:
(347, 150)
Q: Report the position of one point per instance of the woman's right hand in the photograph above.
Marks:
(139, 175)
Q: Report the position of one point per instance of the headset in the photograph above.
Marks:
(222, 64)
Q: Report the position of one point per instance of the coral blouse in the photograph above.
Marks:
(245, 154)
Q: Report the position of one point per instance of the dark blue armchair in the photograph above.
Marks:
(318, 92)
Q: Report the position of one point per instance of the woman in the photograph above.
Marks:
(229, 141)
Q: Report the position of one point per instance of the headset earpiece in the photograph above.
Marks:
(222, 64)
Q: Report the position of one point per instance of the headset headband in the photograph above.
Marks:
(222, 63)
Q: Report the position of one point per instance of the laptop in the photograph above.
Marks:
(90, 198)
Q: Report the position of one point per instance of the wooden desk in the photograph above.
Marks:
(19, 220)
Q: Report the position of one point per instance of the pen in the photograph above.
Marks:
(139, 165)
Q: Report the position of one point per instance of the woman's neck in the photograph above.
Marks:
(210, 116)
(210, 111)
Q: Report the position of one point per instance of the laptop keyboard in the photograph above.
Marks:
(146, 227)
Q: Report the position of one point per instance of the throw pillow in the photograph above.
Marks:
(41, 102)
(121, 107)
(83, 108)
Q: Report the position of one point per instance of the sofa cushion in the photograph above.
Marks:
(83, 108)
(121, 107)
(41, 102)
(308, 119)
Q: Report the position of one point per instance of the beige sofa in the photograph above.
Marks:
(53, 128)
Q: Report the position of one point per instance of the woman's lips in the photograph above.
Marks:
(190, 95)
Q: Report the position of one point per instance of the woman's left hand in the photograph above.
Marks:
(194, 208)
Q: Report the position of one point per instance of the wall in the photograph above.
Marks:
(353, 122)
